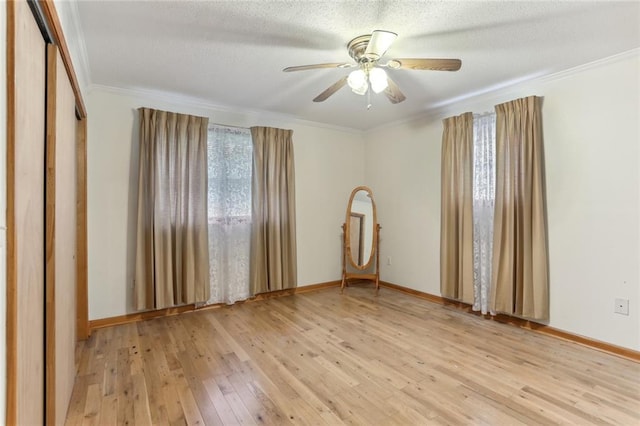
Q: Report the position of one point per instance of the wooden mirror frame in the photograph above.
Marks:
(373, 255)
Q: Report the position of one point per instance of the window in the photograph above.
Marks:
(230, 157)
(229, 154)
(484, 194)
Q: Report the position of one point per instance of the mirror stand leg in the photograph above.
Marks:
(378, 227)
(344, 258)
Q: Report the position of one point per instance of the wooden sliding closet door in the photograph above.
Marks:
(60, 239)
(25, 216)
(42, 223)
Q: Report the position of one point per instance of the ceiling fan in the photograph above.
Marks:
(367, 50)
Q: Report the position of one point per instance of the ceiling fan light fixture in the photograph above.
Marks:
(357, 81)
(378, 79)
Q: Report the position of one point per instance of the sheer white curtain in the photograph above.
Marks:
(484, 190)
(229, 197)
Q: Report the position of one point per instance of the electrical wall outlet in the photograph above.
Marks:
(389, 260)
(622, 306)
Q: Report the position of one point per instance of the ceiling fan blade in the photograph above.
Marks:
(379, 43)
(316, 66)
(393, 92)
(426, 64)
(331, 90)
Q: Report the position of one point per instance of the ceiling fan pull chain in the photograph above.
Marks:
(369, 96)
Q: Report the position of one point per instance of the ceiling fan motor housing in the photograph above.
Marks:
(358, 46)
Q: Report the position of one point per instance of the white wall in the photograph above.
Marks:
(592, 139)
(328, 165)
(3, 212)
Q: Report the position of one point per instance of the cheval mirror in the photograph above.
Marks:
(361, 245)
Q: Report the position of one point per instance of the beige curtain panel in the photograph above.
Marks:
(273, 229)
(520, 282)
(172, 254)
(456, 231)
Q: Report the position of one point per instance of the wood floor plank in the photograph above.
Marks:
(268, 387)
(75, 412)
(322, 358)
(219, 402)
(192, 414)
(619, 414)
(242, 414)
(108, 409)
(175, 413)
(141, 411)
(124, 387)
(92, 406)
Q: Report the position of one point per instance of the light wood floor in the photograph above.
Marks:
(325, 358)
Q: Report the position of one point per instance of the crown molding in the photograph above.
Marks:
(252, 115)
(501, 92)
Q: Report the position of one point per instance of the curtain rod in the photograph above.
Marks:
(227, 125)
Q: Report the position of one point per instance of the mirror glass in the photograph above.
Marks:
(360, 227)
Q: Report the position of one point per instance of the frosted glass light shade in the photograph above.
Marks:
(378, 79)
(357, 80)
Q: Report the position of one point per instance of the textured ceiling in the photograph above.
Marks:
(231, 53)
